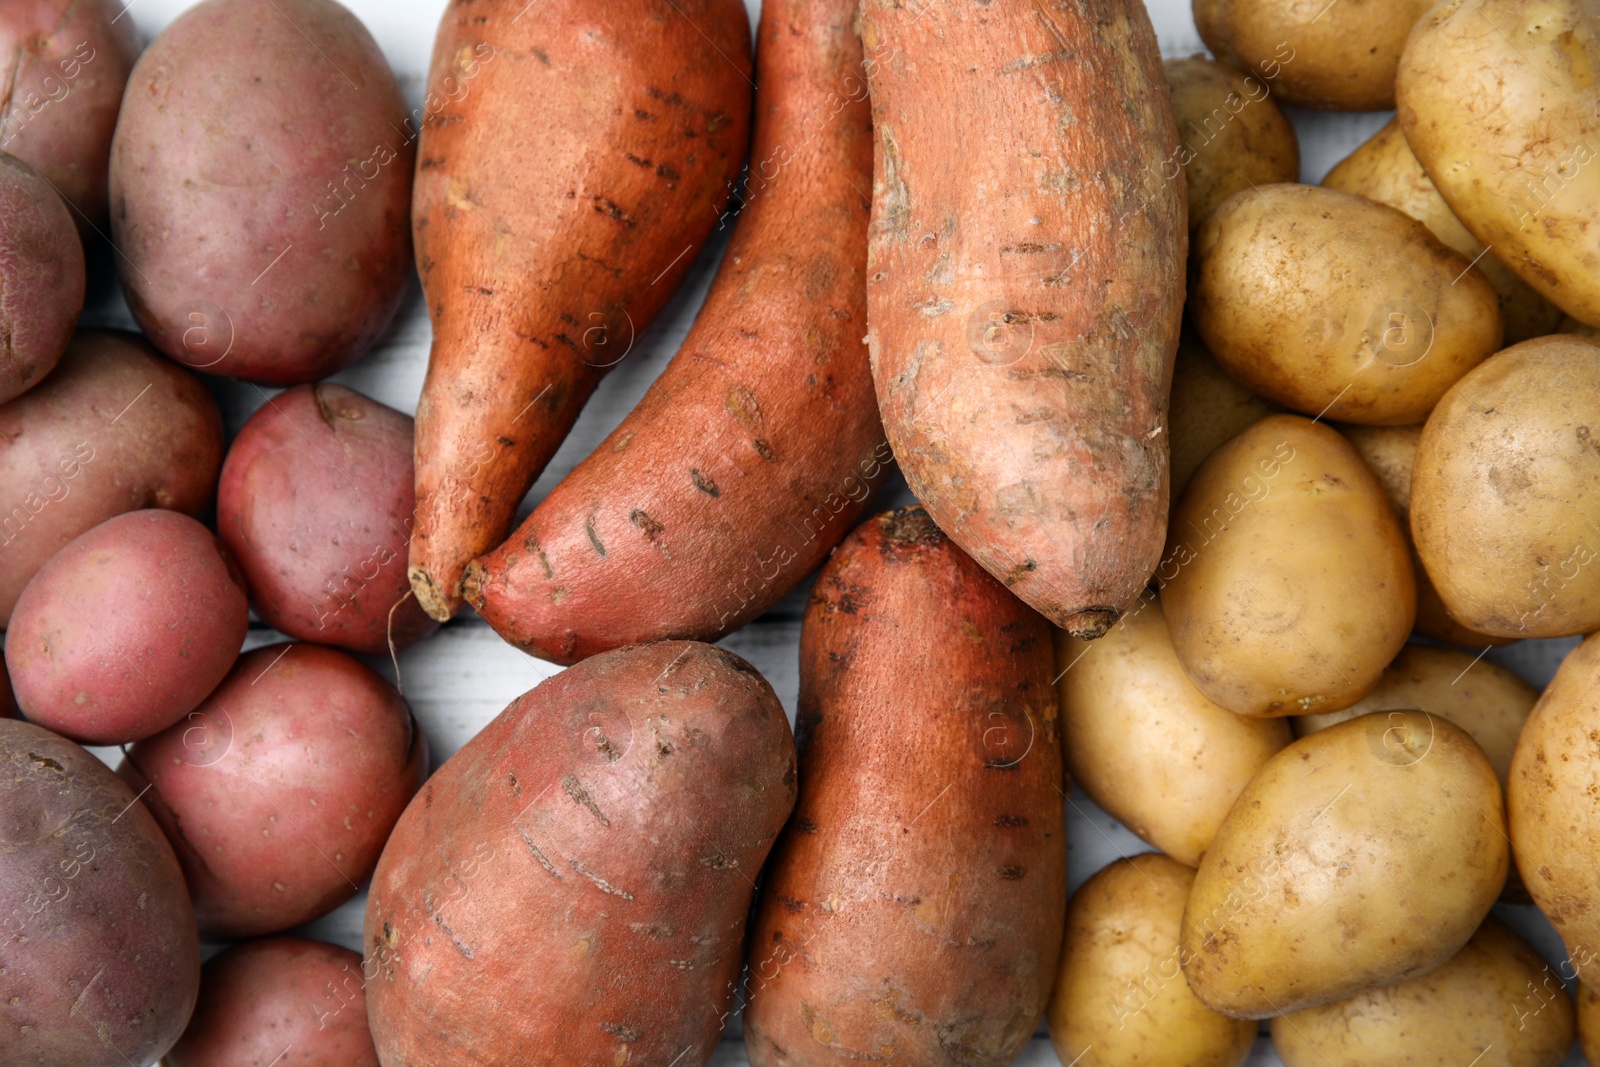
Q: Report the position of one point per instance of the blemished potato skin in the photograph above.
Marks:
(316, 503)
(1023, 301)
(912, 911)
(1231, 133)
(1207, 410)
(759, 446)
(1504, 493)
(127, 629)
(1496, 98)
(100, 960)
(1384, 169)
(279, 791)
(113, 428)
(578, 157)
(41, 274)
(286, 997)
(1495, 994)
(1588, 1013)
(577, 878)
(260, 190)
(1360, 856)
(1121, 997)
(1338, 306)
(1147, 746)
(1286, 584)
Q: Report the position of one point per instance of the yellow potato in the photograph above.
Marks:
(1384, 169)
(1286, 580)
(1497, 99)
(1336, 305)
(1572, 325)
(1192, 757)
(1359, 857)
(1121, 997)
(1589, 1022)
(1505, 494)
(1208, 409)
(1231, 133)
(1495, 1001)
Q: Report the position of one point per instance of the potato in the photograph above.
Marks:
(114, 428)
(264, 999)
(1336, 305)
(261, 189)
(1145, 744)
(1231, 133)
(1495, 994)
(1589, 1022)
(577, 878)
(1360, 856)
(100, 960)
(1336, 55)
(1286, 583)
(1208, 409)
(1496, 98)
(41, 275)
(1506, 492)
(1572, 325)
(316, 503)
(1121, 996)
(1384, 169)
(279, 791)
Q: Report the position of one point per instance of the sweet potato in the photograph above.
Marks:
(578, 158)
(41, 277)
(1025, 283)
(756, 449)
(577, 878)
(913, 909)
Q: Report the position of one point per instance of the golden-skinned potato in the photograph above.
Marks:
(1192, 757)
(1121, 997)
(1360, 856)
(1337, 305)
(1505, 493)
(1208, 409)
(1589, 1022)
(1286, 581)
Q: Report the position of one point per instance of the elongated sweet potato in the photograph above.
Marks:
(576, 879)
(755, 451)
(1025, 283)
(577, 158)
(913, 909)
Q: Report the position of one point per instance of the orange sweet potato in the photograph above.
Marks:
(913, 909)
(574, 159)
(1025, 283)
(756, 449)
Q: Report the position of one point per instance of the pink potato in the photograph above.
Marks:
(281, 1001)
(261, 189)
(280, 790)
(127, 629)
(316, 504)
(41, 277)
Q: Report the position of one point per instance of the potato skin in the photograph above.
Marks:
(41, 275)
(1024, 402)
(913, 909)
(1338, 306)
(114, 428)
(127, 629)
(260, 190)
(1121, 997)
(279, 791)
(1208, 409)
(759, 446)
(1588, 1012)
(1147, 746)
(1313, 888)
(627, 802)
(100, 961)
(316, 502)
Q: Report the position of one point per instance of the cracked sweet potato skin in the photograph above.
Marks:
(578, 158)
(758, 447)
(1025, 284)
(913, 909)
(577, 878)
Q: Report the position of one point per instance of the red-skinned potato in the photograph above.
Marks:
(114, 428)
(577, 878)
(127, 629)
(41, 275)
(316, 504)
(99, 958)
(279, 791)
